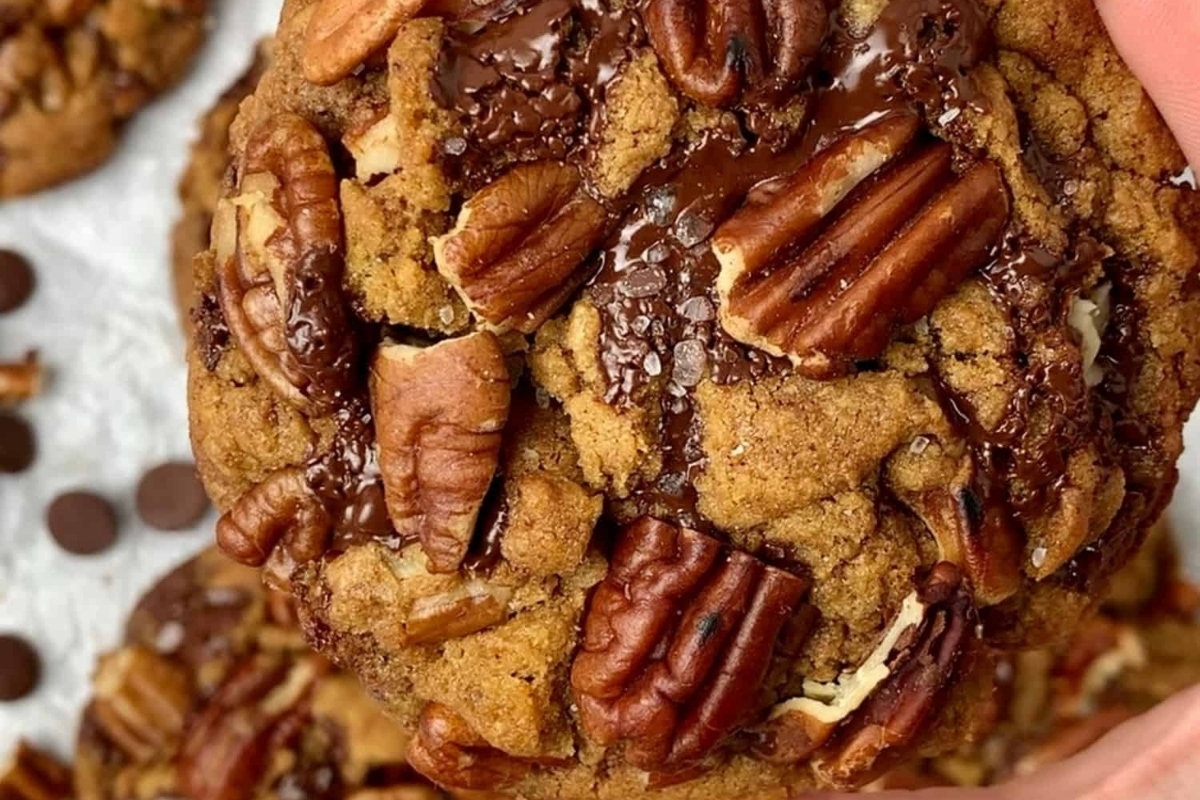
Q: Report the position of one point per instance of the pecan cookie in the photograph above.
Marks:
(1142, 649)
(694, 396)
(73, 71)
(214, 696)
(200, 184)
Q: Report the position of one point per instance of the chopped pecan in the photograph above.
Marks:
(34, 775)
(677, 639)
(459, 611)
(21, 380)
(716, 51)
(818, 266)
(280, 286)
(142, 701)
(279, 523)
(976, 535)
(258, 707)
(520, 246)
(448, 752)
(342, 34)
(859, 726)
(439, 415)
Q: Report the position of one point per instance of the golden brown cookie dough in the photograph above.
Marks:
(200, 184)
(627, 415)
(214, 696)
(72, 72)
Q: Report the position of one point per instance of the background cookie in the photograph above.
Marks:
(72, 72)
(215, 697)
(200, 184)
(627, 417)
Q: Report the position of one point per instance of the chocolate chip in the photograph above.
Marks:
(17, 444)
(16, 281)
(82, 523)
(20, 668)
(170, 497)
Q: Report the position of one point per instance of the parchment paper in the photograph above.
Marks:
(103, 321)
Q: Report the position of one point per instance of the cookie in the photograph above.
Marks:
(200, 184)
(30, 772)
(214, 696)
(1141, 650)
(72, 72)
(628, 415)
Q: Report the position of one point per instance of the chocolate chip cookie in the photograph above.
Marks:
(692, 396)
(73, 71)
(200, 184)
(214, 696)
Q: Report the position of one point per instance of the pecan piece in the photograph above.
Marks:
(142, 701)
(32, 774)
(342, 34)
(21, 380)
(260, 705)
(519, 248)
(439, 415)
(676, 641)
(820, 265)
(859, 726)
(456, 612)
(447, 751)
(278, 246)
(716, 51)
(976, 535)
(279, 523)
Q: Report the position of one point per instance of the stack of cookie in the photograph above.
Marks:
(647, 400)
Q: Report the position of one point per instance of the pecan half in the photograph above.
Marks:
(447, 751)
(977, 536)
(280, 286)
(261, 704)
(342, 34)
(21, 380)
(142, 701)
(279, 523)
(677, 639)
(34, 775)
(716, 51)
(439, 415)
(519, 248)
(818, 266)
(859, 726)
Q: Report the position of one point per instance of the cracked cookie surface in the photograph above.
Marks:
(569, 372)
(72, 72)
(214, 696)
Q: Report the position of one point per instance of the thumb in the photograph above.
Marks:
(1154, 757)
(1159, 40)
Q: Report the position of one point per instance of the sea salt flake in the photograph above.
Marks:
(653, 365)
(698, 309)
(660, 204)
(1039, 557)
(690, 359)
(692, 229)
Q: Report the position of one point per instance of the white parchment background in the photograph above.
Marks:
(103, 322)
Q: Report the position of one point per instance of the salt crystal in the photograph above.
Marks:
(949, 116)
(455, 146)
(690, 361)
(739, 450)
(657, 253)
(645, 282)
(446, 315)
(919, 445)
(692, 229)
(653, 365)
(170, 637)
(640, 324)
(1039, 557)
(660, 204)
(542, 397)
(698, 309)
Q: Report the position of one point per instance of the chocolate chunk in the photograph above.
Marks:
(17, 444)
(20, 668)
(170, 497)
(16, 281)
(82, 523)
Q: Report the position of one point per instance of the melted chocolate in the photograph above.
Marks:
(320, 333)
(347, 480)
(485, 551)
(526, 84)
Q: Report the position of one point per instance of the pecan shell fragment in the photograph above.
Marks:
(279, 258)
(717, 51)
(858, 727)
(519, 248)
(439, 414)
(676, 640)
(873, 232)
(447, 751)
